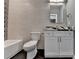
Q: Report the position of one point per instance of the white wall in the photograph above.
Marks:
(26, 16)
(71, 9)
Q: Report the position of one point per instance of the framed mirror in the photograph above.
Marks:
(56, 13)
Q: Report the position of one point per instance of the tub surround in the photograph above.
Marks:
(12, 47)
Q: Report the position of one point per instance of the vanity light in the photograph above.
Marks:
(58, 1)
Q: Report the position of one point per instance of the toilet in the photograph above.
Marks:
(31, 46)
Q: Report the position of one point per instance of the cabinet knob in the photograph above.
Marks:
(60, 39)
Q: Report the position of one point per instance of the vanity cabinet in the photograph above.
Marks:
(66, 46)
(51, 47)
(58, 43)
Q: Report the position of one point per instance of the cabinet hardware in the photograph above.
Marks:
(60, 39)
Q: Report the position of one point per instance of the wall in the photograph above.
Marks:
(26, 16)
(61, 13)
(71, 9)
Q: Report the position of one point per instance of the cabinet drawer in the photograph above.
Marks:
(50, 38)
(53, 37)
(66, 33)
(50, 33)
(58, 33)
(66, 38)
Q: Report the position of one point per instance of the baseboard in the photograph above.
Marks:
(60, 58)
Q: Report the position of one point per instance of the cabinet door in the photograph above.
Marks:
(51, 47)
(66, 46)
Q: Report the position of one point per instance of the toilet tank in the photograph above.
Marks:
(35, 35)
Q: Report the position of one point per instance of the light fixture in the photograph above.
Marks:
(57, 1)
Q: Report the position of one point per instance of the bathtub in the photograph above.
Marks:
(12, 47)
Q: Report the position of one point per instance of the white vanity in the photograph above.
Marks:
(59, 43)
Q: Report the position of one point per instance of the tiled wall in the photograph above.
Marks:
(6, 4)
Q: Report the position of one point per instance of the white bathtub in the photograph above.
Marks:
(12, 47)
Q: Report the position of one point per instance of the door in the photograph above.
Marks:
(66, 46)
(51, 47)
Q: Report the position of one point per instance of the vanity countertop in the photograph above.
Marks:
(58, 28)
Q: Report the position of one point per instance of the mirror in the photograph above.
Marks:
(57, 12)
